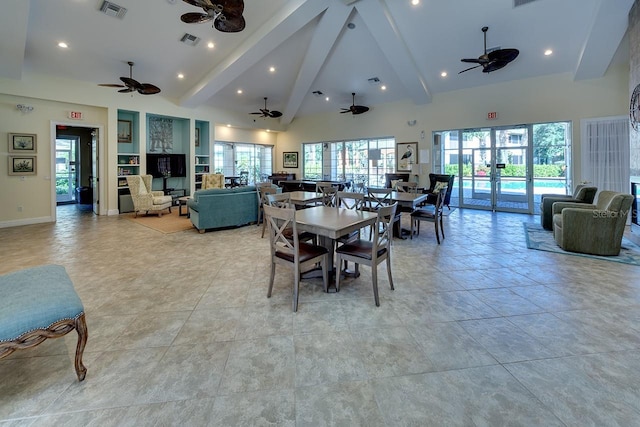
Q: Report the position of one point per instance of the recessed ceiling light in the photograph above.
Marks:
(210, 45)
(443, 74)
(63, 45)
(228, 125)
(180, 76)
(415, 2)
(239, 92)
(383, 87)
(272, 69)
(327, 99)
(548, 52)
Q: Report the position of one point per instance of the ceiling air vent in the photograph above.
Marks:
(112, 9)
(190, 39)
(317, 93)
(517, 3)
(374, 81)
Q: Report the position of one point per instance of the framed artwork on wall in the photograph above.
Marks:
(290, 159)
(22, 165)
(124, 130)
(23, 143)
(406, 155)
(197, 137)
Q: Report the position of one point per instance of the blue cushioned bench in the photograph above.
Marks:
(39, 303)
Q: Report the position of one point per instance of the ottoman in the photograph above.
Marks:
(39, 303)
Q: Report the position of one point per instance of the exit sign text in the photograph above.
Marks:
(492, 115)
(75, 115)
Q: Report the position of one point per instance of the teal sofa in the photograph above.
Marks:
(223, 207)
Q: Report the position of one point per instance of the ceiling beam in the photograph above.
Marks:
(13, 37)
(607, 29)
(284, 24)
(324, 38)
(384, 30)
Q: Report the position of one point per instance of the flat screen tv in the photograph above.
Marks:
(166, 165)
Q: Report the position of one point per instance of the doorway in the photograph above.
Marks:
(498, 166)
(75, 166)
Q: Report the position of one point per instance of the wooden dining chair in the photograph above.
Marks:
(432, 213)
(329, 196)
(381, 197)
(262, 192)
(371, 252)
(283, 200)
(290, 251)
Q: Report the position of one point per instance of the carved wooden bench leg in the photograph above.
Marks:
(81, 328)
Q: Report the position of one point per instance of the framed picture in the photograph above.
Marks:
(124, 130)
(197, 137)
(23, 143)
(22, 165)
(290, 159)
(406, 155)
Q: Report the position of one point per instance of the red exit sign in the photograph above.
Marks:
(492, 115)
(75, 115)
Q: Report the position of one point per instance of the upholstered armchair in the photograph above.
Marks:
(437, 182)
(592, 229)
(144, 198)
(215, 180)
(582, 194)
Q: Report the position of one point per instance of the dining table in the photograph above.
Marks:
(330, 223)
(407, 202)
(304, 198)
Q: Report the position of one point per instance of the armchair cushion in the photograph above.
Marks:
(592, 229)
(215, 180)
(582, 194)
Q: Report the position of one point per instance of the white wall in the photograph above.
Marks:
(543, 99)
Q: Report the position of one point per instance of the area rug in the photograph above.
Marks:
(542, 240)
(167, 223)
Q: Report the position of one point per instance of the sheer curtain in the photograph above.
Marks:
(605, 153)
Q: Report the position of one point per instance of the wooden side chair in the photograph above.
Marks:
(371, 252)
(381, 197)
(432, 213)
(262, 192)
(290, 252)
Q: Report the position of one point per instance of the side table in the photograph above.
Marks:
(182, 201)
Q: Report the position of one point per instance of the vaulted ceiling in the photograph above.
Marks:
(335, 47)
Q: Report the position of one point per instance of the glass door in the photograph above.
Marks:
(511, 170)
(66, 162)
(495, 165)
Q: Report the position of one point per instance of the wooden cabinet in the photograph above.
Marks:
(277, 177)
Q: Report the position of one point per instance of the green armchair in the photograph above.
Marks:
(582, 194)
(592, 229)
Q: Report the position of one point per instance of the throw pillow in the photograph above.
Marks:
(394, 183)
(439, 186)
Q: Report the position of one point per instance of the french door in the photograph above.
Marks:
(496, 168)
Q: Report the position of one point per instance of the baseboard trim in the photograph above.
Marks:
(28, 221)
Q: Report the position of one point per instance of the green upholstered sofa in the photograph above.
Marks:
(223, 207)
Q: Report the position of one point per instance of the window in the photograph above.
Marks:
(350, 160)
(242, 159)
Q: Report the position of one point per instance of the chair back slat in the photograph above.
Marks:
(379, 197)
(350, 200)
(279, 220)
(382, 232)
(281, 200)
(329, 196)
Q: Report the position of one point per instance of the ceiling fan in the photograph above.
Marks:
(264, 112)
(493, 60)
(355, 109)
(131, 85)
(225, 14)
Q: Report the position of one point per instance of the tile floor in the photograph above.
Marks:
(480, 331)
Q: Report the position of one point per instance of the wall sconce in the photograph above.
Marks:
(24, 108)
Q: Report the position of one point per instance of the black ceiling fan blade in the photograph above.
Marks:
(131, 83)
(126, 90)
(230, 25)
(359, 109)
(110, 85)
(471, 68)
(506, 55)
(494, 65)
(258, 113)
(149, 89)
(275, 114)
(475, 60)
(195, 18)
